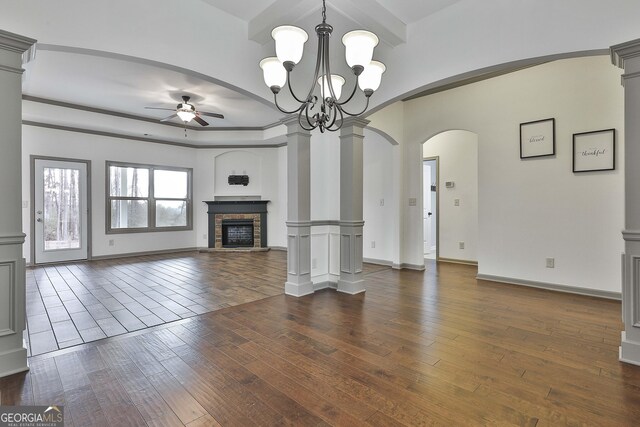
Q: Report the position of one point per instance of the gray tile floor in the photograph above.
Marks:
(70, 304)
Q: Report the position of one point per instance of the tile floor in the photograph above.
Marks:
(69, 304)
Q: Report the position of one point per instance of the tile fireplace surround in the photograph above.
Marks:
(237, 209)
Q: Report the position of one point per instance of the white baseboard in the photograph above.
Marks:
(552, 287)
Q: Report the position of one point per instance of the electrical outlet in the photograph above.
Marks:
(373, 244)
(381, 202)
(204, 237)
(413, 201)
(112, 242)
(461, 245)
(456, 202)
(314, 263)
(551, 262)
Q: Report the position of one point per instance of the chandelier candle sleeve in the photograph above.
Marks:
(321, 107)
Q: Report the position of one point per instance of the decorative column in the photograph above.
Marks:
(351, 222)
(627, 56)
(298, 209)
(13, 355)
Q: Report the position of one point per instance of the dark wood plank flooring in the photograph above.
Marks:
(419, 348)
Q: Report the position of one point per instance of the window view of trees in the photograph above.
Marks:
(148, 198)
(61, 214)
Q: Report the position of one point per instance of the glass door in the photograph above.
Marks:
(61, 211)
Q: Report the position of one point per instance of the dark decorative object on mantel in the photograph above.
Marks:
(239, 180)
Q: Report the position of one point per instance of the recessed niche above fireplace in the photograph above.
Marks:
(237, 223)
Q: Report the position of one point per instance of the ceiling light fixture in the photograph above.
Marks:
(329, 114)
(186, 112)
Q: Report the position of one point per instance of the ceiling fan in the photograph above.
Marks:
(187, 112)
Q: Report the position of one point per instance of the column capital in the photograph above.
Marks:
(622, 52)
(293, 125)
(15, 42)
(353, 122)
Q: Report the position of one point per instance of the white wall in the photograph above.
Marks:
(379, 198)
(532, 209)
(457, 151)
(264, 165)
(267, 179)
(98, 149)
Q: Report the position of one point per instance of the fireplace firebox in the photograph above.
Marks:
(237, 233)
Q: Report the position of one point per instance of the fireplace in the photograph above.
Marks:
(237, 233)
(237, 224)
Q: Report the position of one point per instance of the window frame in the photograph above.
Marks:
(151, 199)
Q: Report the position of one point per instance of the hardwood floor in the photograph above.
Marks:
(74, 303)
(419, 348)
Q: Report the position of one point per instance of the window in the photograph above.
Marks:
(148, 198)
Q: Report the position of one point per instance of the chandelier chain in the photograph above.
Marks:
(324, 12)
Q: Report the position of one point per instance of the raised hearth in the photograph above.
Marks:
(237, 216)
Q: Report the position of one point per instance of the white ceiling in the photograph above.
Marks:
(97, 79)
(408, 11)
(125, 86)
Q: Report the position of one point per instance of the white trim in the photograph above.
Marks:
(552, 287)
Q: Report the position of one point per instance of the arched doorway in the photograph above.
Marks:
(452, 196)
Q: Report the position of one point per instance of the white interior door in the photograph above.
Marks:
(61, 211)
(427, 208)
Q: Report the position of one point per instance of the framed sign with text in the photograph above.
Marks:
(594, 151)
(537, 139)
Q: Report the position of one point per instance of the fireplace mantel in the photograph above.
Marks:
(239, 207)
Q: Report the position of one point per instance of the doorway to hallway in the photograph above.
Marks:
(430, 207)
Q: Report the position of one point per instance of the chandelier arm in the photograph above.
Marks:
(355, 87)
(334, 109)
(318, 61)
(291, 89)
(356, 114)
(333, 128)
(300, 121)
(327, 72)
(275, 99)
(306, 115)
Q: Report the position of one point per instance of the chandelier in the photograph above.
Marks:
(325, 110)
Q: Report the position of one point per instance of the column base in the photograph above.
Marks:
(351, 288)
(629, 351)
(298, 289)
(13, 362)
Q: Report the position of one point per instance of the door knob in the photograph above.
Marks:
(39, 212)
(39, 219)
(429, 213)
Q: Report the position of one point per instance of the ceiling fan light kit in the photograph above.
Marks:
(187, 112)
(325, 111)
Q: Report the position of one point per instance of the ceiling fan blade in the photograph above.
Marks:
(202, 113)
(169, 118)
(157, 108)
(199, 120)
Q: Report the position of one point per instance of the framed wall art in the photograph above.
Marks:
(594, 151)
(537, 139)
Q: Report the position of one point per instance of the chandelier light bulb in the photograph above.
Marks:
(290, 42)
(371, 76)
(275, 76)
(359, 45)
(336, 82)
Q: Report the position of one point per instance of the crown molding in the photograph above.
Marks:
(145, 139)
(15, 42)
(141, 118)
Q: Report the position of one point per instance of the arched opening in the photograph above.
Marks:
(449, 222)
